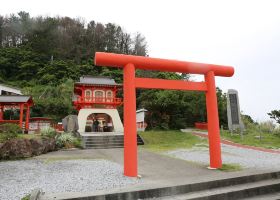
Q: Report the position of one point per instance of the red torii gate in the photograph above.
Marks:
(130, 83)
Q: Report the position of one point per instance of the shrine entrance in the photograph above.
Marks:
(99, 122)
(108, 120)
(130, 83)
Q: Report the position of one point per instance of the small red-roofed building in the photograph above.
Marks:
(21, 102)
(96, 100)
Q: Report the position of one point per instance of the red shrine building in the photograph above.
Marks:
(96, 100)
(16, 102)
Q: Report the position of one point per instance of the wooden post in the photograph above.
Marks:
(1, 112)
(213, 122)
(130, 135)
(21, 115)
(27, 117)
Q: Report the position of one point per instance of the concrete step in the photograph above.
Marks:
(103, 142)
(241, 191)
(105, 147)
(271, 196)
(107, 144)
(106, 141)
(262, 185)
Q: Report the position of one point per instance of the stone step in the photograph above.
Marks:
(112, 140)
(100, 144)
(271, 196)
(97, 141)
(241, 187)
(241, 191)
(105, 147)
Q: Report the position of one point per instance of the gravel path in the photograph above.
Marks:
(18, 178)
(247, 158)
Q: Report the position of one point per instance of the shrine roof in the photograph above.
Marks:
(12, 89)
(14, 98)
(9, 86)
(97, 80)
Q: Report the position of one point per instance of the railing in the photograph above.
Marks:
(9, 121)
(98, 100)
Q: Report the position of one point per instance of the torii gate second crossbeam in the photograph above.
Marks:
(130, 83)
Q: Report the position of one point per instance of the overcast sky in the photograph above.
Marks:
(243, 34)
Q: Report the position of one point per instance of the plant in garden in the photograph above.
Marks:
(267, 126)
(78, 143)
(277, 130)
(48, 132)
(9, 131)
(65, 140)
(27, 197)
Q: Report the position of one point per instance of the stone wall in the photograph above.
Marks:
(23, 148)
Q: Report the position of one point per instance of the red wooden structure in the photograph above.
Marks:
(23, 103)
(36, 124)
(201, 125)
(96, 92)
(130, 63)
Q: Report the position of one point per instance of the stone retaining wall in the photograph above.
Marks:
(23, 148)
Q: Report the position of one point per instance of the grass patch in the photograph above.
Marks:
(268, 140)
(230, 167)
(169, 140)
(28, 136)
(20, 136)
(200, 130)
(27, 197)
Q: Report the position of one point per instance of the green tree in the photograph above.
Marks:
(275, 114)
(57, 71)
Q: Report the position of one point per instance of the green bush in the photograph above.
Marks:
(48, 132)
(267, 126)
(27, 197)
(9, 131)
(77, 143)
(65, 140)
(277, 130)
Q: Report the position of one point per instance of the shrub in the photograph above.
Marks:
(65, 140)
(9, 131)
(27, 197)
(277, 130)
(48, 132)
(267, 126)
(10, 128)
(78, 143)
(249, 123)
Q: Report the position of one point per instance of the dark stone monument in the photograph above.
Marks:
(233, 111)
(70, 124)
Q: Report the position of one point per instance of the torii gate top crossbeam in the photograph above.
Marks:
(146, 63)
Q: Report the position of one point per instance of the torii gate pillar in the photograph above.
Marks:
(130, 133)
(213, 122)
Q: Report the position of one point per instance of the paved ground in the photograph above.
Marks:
(247, 158)
(80, 171)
